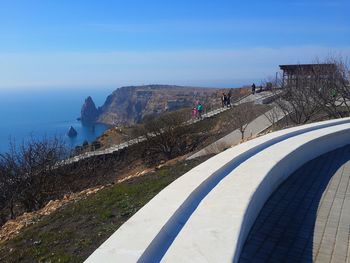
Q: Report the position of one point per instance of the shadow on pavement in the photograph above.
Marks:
(284, 229)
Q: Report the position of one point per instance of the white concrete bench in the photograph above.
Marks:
(150, 233)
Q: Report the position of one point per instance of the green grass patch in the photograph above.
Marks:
(73, 232)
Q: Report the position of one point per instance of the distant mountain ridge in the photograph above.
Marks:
(129, 105)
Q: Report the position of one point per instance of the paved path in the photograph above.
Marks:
(307, 219)
(255, 127)
(263, 97)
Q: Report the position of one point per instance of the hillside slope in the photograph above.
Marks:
(129, 105)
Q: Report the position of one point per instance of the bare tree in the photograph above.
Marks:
(10, 180)
(333, 91)
(167, 133)
(298, 102)
(241, 116)
(38, 160)
(29, 174)
(313, 91)
(273, 115)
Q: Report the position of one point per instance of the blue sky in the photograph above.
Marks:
(203, 43)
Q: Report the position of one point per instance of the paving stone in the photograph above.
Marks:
(323, 258)
(308, 216)
(338, 259)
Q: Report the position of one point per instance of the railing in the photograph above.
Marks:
(126, 144)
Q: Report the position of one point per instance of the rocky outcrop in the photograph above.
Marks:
(72, 132)
(89, 112)
(129, 105)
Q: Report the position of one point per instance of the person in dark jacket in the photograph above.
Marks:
(224, 99)
(253, 88)
(228, 101)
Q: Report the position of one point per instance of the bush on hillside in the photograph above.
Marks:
(29, 175)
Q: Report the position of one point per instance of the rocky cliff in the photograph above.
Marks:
(129, 105)
(89, 112)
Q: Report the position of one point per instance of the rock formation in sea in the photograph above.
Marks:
(89, 112)
(72, 132)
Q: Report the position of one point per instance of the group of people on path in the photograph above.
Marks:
(197, 111)
(226, 99)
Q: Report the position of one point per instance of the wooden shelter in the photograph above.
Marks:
(306, 72)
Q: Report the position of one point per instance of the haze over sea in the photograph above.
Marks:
(39, 112)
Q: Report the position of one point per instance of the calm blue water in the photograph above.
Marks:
(47, 112)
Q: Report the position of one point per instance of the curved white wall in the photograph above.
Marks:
(218, 228)
(197, 211)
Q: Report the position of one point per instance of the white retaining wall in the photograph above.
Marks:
(195, 219)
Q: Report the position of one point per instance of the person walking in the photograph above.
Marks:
(199, 110)
(253, 88)
(224, 99)
(194, 113)
(228, 100)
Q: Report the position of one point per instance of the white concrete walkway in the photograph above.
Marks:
(255, 127)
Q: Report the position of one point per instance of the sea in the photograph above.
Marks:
(38, 113)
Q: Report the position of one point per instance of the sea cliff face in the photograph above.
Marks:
(89, 112)
(125, 105)
(129, 105)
